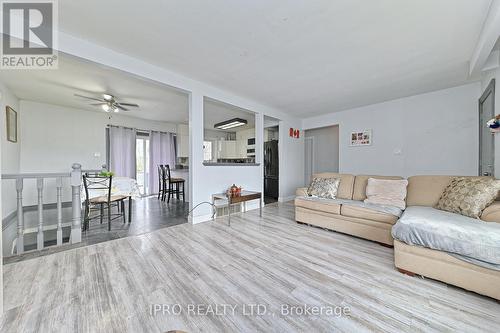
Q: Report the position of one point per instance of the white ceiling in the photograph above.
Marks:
(304, 57)
(75, 76)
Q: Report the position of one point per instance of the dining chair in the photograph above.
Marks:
(175, 186)
(98, 198)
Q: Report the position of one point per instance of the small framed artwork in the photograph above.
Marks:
(11, 122)
(361, 138)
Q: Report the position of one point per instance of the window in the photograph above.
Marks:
(142, 162)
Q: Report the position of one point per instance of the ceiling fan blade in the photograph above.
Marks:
(91, 98)
(129, 104)
(122, 108)
(98, 104)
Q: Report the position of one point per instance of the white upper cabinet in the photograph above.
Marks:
(182, 140)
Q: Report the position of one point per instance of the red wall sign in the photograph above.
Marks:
(294, 133)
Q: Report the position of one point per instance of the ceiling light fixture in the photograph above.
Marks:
(232, 123)
(116, 110)
(105, 107)
(107, 97)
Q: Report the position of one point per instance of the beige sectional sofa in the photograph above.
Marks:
(358, 221)
(376, 226)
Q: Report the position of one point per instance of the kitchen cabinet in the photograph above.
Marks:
(182, 140)
(228, 149)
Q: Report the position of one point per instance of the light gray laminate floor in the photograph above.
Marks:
(272, 261)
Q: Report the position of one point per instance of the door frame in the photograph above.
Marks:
(313, 158)
(490, 90)
(144, 137)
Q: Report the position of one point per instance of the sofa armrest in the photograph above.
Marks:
(492, 213)
(301, 192)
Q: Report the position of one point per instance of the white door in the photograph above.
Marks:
(486, 139)
(309, 160)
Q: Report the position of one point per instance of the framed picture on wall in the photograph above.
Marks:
(361, 138)
(11, 122)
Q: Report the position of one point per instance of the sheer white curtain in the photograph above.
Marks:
(161, 151)
(122, 151)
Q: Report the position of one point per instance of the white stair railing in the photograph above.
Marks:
(75, 177)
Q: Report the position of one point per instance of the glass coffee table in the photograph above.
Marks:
(243, 197)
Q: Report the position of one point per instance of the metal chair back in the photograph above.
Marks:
(95, 182)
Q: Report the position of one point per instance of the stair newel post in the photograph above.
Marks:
(76, 181)
(20, 216)
(39, 236)
(59, 185)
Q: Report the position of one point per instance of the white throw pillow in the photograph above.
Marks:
(386, 192)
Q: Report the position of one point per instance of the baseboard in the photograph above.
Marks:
(208, 217)
(200, 219)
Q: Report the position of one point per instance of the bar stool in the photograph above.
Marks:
(175, 186)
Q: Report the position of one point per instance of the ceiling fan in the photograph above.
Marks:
(109, 103)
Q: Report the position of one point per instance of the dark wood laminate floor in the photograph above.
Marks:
(148, 214)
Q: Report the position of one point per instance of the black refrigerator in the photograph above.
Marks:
(271, 169)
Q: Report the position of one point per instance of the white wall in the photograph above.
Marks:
(433, 133)
(54, 137)
(208, 180)
(326, 148)
(10, 150)
(291, 152)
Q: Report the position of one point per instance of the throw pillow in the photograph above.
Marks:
(324, 187)
(469, 196)
(386, 192)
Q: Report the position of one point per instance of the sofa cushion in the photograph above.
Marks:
(301, 191)
(390, 192)
(367, 213)
(492, 213)
(318, 204)
(324, 187)
(469, 196)
(360, 183)
(426, 190)
(345, 186)
(453, 233)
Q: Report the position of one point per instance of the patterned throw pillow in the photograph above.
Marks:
(469, 196)
(324, 187)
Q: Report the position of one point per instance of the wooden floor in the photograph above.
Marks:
(271, 261)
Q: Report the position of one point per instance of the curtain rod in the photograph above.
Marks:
(141, 130)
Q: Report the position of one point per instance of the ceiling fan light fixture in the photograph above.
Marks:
(116, 110)
(107, 97)
(105, 107)
(232, 123)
